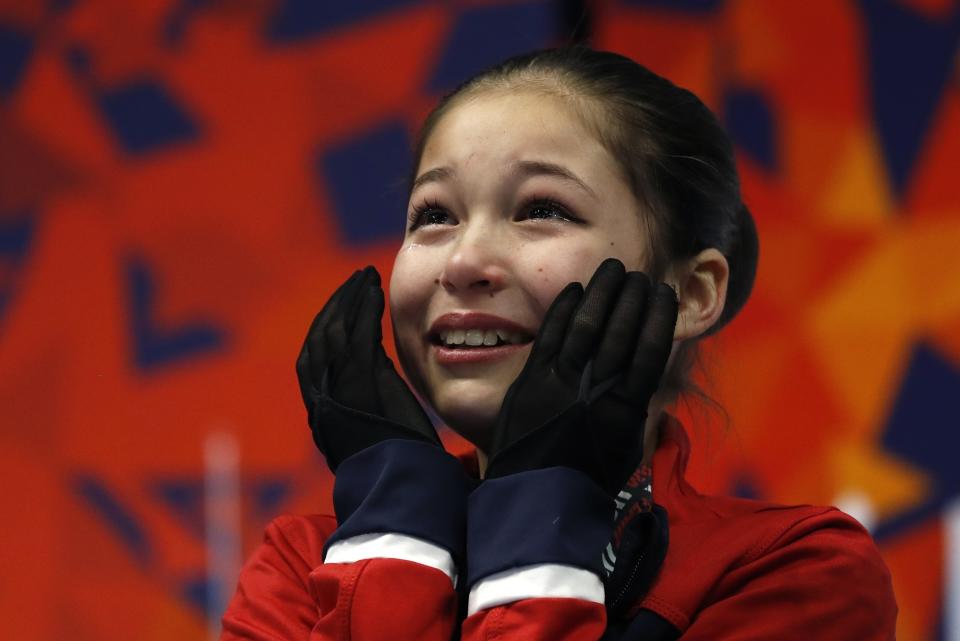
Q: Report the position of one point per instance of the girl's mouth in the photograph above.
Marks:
(475, 337)
(467, 338)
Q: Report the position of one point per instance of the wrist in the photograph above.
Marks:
(555, 516)
(403, 487)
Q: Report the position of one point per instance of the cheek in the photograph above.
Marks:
(410, 288)
(550, 271)
(411, 285)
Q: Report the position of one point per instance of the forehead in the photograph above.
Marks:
(505, 127)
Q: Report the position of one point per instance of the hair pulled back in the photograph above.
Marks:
(674, 154)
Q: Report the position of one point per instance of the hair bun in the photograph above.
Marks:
(743, 258)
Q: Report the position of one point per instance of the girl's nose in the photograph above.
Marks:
(474, 266)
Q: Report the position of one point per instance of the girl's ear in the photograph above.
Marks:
(701, 284)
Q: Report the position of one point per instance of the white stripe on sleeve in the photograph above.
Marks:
(533, 581)
(392, 546)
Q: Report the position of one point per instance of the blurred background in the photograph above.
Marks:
(183, 183)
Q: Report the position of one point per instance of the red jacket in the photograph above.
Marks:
(735, 569)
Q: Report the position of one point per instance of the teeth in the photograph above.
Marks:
(477, 337)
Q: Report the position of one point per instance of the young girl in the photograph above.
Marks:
(550, 170)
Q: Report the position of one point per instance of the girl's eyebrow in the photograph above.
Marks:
(529, 168)
(526, 168)
(437, 174)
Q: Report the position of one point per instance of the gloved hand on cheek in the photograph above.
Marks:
(582, 397)
(353, 394)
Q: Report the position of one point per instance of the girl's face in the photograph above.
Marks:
(514, 199)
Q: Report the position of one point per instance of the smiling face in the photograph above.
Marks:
(514, 199)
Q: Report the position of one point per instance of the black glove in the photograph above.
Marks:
(581, 399)
(353, 394)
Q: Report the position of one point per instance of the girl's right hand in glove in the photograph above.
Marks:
(353, 394)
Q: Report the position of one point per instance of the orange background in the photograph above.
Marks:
(183, 183)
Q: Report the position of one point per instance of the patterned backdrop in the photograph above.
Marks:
(183, 183)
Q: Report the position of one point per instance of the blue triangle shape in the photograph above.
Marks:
(184, 499)
(911, 59)
(267, 495)
(16, 49)
(752, 124)
(924, 430)
(16, 238)
(924, 424)
(195, 592)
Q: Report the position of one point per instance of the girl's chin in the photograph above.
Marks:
(470, 408)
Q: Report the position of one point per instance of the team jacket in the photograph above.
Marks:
(521, 554)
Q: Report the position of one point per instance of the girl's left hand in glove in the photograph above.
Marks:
(581, 399)
(353, 394)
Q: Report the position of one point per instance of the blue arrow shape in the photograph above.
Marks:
(184, 498)
(153, 346)
(115, 516)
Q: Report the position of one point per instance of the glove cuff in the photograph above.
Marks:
(403, 487)
(554, 515)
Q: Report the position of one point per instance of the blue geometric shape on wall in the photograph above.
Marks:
(57, 6)
(296, 20)
(184, 499)
(268, 495)
(77, 60)
(911, 59)
(16, 238)
(366, 177)
(118, 519)
(145, 117)
(484, 36)
(201, 593)
(15, 50)
(16, 232)
(195, 591)
(179, 18)
(687, 6)
(155, 346)
(752, 125)
(922, 431)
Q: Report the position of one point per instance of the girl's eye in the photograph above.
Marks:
(429, 214)
(549, 210)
